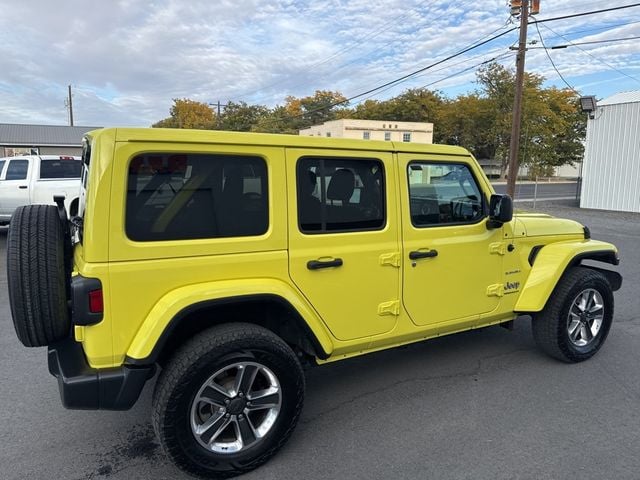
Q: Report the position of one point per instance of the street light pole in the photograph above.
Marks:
(517, 101)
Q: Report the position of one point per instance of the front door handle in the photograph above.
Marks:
(318, 264)
(416, 254)
(23, 187)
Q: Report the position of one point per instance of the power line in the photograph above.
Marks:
(497, 57)
(465, 70)
(592, 12)
(377, 32)
(402, 78)
(591, 55)
(358, 41)
(546, 50)
(504, 25)
(603, 27)
(550, 10)
(593, 42)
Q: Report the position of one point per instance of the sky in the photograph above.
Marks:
(127, 59)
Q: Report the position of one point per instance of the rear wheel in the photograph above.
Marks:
(576, 320)
(228, 400)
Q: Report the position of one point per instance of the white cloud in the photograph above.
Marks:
(127, 59)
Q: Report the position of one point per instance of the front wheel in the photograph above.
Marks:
(576, 320)
(228, 400)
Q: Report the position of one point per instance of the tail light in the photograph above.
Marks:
(87, 301)
(96, 305)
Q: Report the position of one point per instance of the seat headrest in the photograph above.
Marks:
(341, 185)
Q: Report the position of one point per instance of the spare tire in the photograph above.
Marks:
(38, 274)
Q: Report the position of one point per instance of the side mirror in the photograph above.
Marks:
(500, 210)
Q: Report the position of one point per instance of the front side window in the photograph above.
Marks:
(340, 194)
(17, 170)
(188, 196)
(65, 168)
(443, 193)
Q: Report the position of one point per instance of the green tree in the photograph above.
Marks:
(322, 106)
(552, 128)
(413, 105)
(186, 113)
(553, 132)
(241, 117)
(277, 120)
(464, 122)
(298, 113)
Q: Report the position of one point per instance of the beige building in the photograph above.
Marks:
(373, 130)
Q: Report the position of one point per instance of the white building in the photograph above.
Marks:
(611, 168)
(373, 130)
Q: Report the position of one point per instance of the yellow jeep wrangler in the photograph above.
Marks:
(230, 260)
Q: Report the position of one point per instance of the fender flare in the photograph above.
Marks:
(550, 264)
(167, 313)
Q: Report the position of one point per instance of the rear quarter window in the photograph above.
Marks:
(60, 169)
(189, 196)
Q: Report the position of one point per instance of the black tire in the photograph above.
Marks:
(38, 275)
(551, 326)
(193, 365)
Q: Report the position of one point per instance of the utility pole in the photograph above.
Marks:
(517, 101)
(70, 105)
(219, 107)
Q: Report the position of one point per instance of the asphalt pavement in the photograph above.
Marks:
(478, 405)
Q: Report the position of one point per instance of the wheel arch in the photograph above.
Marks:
(283, 313)
(551, 263)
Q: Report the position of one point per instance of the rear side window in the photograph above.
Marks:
(340, 194)
(60, 169)
(1, 165)
(188, 196)
(17, 170)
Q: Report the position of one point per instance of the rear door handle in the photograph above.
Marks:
(417, 254)
(318, 264)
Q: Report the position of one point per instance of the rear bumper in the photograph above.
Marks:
(85, 388)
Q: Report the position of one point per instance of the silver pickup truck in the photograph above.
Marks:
(36, 179)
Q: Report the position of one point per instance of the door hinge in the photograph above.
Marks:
(389, 308)
(499, 248)
(392, 259)
(496, 290)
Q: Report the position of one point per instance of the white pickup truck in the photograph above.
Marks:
(35, 179)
